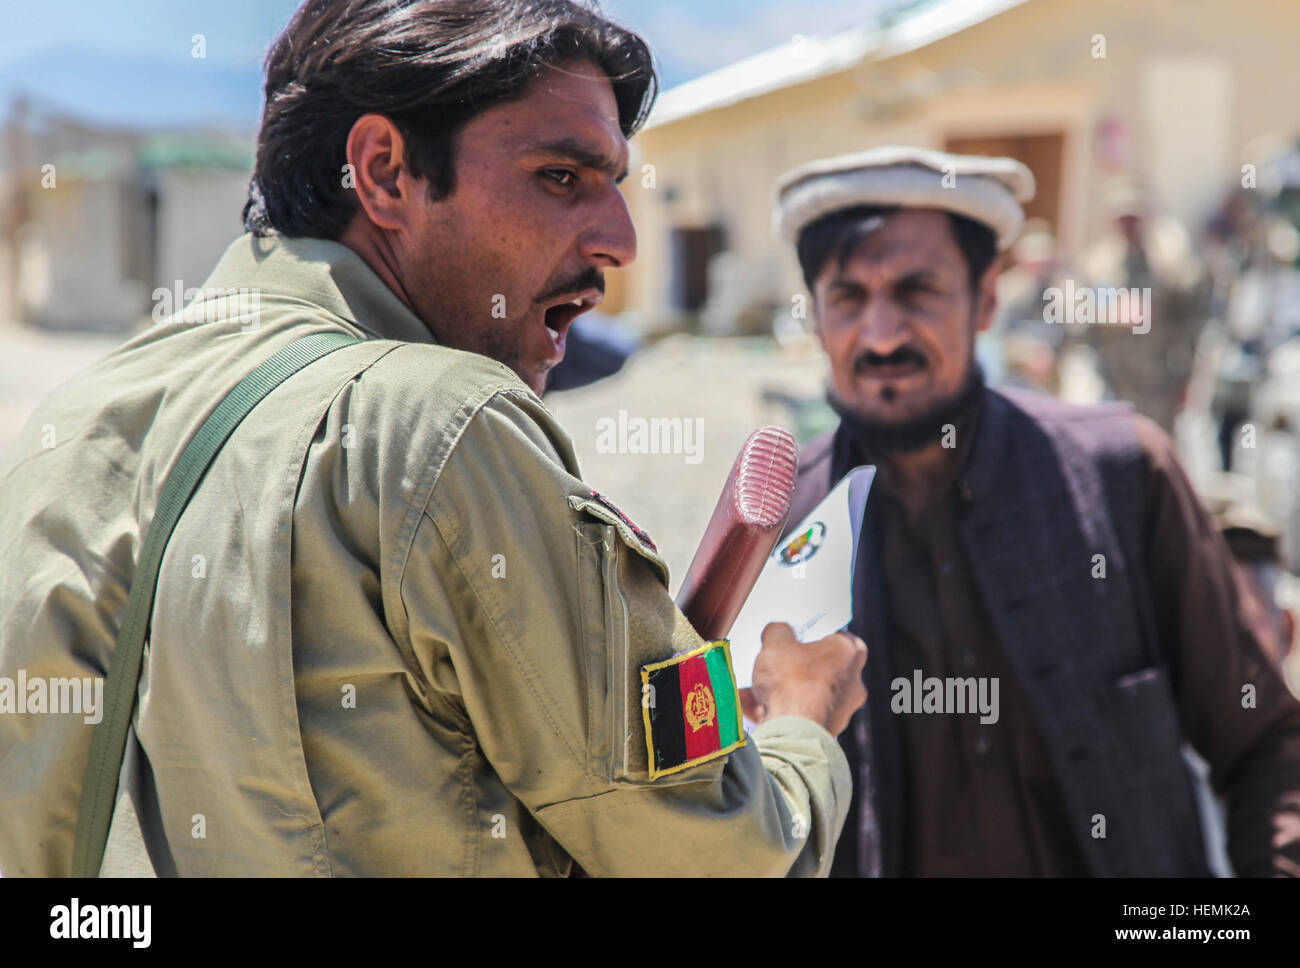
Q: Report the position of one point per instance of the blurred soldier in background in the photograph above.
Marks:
(595, 349)
(1030, 351)
(1144, 251)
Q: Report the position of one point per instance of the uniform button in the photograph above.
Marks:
(945, 568)
(964, 490)
(983, 744)
(967, 658)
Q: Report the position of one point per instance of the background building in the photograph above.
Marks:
(1176, 94)
(95, 218)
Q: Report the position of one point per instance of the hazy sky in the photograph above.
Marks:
(130, 60)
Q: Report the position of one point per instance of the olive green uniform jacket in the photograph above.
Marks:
(394, 632)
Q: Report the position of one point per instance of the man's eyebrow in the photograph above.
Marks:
(845, 282)
(580, 152)
(924, 274)
(912, 277)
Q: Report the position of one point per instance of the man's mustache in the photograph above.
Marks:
(899, 357)
(589, 278)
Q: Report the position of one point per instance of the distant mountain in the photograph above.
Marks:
(150, 93)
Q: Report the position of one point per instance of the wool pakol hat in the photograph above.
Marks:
(988, 190)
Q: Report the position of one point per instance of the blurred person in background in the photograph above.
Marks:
(1030, 349)
(1253, 542)
(1231, 353)
(594, 349)
(1248, 360)
(1057, 551)
(1146, 251)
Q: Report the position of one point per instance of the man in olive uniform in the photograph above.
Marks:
(395, 632)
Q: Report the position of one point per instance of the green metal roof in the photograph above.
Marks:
(195, 151)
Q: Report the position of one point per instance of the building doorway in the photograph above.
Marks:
(1042, 153)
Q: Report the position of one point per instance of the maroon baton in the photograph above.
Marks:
(744, 529)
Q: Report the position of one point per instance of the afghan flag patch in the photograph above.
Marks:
(691, 710)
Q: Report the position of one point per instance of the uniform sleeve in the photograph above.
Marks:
(535, 605)
(1233, 703)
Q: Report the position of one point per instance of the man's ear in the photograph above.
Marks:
(376, 153)
(986, 296)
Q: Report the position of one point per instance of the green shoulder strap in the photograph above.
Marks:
(108, 744)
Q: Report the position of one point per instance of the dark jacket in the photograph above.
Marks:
(1046, 487)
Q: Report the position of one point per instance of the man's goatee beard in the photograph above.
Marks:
(917, 433)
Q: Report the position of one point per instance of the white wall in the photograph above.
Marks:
(198, 217)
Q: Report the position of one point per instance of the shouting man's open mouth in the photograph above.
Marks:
(563, 310)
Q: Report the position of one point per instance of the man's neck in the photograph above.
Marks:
(917, 478)
(376, 251)
(918, 475)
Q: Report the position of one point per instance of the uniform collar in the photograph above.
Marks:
(325, 274)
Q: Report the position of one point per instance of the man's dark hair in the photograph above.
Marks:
(837, 236)
(428, 65)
